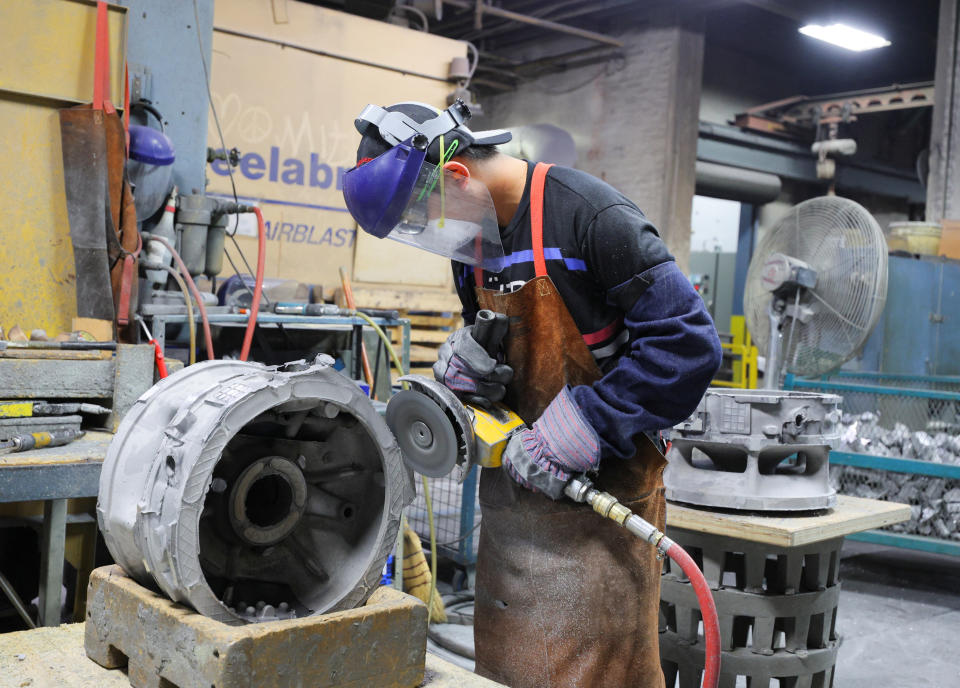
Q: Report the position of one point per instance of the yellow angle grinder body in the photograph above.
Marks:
(439, 435)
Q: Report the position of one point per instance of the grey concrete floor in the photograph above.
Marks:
(899, 617)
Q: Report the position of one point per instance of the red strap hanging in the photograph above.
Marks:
(536, 223)
(101, 64)
(536, 217)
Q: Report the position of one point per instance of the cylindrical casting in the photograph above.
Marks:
(238, 488)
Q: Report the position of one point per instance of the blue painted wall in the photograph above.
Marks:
(919, 332)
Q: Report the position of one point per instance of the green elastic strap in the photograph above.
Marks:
(445, 156)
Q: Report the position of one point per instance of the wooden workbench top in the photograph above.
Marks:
(92, 447)
(850, 515)
(54, 658)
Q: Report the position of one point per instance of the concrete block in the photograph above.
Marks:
(167, 645)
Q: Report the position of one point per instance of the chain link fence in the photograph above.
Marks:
(900, 417)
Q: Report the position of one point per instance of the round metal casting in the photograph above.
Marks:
(254, 493)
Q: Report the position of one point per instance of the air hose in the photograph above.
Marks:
(582, 490)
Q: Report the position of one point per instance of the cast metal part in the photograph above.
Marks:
(765, 450)
(463, 455)
(254, 493)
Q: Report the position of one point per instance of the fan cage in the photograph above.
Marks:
(840, 240)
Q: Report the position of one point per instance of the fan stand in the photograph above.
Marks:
(773, 368)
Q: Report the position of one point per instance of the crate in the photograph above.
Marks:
(777, 609)
(932, 489)
(428, 330)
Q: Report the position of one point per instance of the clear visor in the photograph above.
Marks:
(453, 216)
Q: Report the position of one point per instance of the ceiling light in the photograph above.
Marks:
(845, 36)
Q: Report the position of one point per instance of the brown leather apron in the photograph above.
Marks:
(563, 599)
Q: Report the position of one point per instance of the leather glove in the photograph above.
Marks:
(560, 444)
(467, 369)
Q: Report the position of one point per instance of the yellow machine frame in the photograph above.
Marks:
(745, 368)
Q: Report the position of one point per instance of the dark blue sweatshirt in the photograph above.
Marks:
(646, 326)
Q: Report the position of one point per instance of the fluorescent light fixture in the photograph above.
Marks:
(845, 36)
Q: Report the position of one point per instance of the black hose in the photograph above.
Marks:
(450, 644)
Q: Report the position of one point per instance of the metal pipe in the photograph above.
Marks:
(16, 601)
(483, 8)
(584, 9)
(326, 53)
(491, 84)
(771, 372)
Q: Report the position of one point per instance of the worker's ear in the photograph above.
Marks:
(458, 169)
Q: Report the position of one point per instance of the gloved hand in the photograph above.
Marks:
(560, 444)
(467, 369)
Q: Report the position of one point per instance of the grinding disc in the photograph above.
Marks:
(425, 434)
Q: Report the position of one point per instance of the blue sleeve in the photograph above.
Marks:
(463, 281)
(673, 354)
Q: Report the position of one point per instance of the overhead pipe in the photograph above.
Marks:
(482, 8)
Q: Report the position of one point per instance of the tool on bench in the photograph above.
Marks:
(330, 309)
(439, 434)
(30, 409)
(39, 440)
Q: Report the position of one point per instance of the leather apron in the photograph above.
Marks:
(563, 600)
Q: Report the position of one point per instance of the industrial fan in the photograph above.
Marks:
(816, 287)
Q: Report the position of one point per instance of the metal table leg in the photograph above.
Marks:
(51, 560)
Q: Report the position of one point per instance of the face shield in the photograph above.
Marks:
(400, 196)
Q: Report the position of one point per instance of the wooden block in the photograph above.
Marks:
(102, 330)
(167, 645)
(422, 354)
(452, 321)
(850, 515)
(429, 336)
(950, 239)
(367, 295)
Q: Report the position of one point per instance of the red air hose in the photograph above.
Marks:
(708, 610)
(580, 489)
(258, 285)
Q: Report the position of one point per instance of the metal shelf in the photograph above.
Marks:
(159, 321)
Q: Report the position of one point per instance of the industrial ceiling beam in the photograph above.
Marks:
(482, 9)
(580, 10)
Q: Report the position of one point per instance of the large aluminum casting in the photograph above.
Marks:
(765, 450)
(254, 493)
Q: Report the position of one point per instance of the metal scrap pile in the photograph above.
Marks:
(934, 502)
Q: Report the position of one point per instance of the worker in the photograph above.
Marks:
(608, 344)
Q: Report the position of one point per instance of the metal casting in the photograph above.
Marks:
(755, 449)
(253, 493)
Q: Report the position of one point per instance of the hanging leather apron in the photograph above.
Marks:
(563, 599)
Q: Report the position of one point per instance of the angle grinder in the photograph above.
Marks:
(441, 435)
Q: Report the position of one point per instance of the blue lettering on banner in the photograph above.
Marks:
(252, 166)
(289, 171)
(309, 234)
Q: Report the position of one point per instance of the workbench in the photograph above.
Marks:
(775, 580)
(55, 658)
(53, 475)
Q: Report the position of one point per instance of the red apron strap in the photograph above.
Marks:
(101, 64)
(478, 268)
(536, 217)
